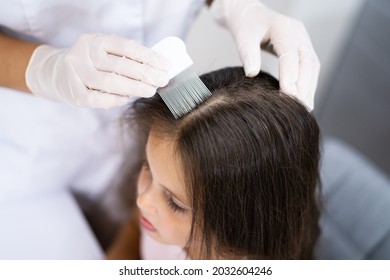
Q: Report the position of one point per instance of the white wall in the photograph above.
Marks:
(328, 23)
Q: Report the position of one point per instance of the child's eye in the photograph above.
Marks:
(174, 206)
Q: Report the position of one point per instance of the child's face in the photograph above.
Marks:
(165, 211)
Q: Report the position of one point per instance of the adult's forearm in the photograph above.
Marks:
(14, 57)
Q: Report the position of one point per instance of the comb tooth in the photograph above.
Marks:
(184, 92)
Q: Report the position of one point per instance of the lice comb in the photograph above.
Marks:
(185, 90)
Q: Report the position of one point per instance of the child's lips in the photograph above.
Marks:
(146, 224)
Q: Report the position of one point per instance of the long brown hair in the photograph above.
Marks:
(250, 155)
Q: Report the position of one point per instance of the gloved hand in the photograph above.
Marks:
(98, 71)
(252, 25)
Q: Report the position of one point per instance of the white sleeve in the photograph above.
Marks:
(47, 226)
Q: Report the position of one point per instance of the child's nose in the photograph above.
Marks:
(146, 200)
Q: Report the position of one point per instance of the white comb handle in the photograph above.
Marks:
(174, 49)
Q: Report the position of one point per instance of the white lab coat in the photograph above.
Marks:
(46, 147)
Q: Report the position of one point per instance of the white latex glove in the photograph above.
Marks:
(98, 71)
(253, 25)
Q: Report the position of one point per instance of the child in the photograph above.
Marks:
(236, 178)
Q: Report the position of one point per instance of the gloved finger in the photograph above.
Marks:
(96, 99)
(308, 76)
(315, 75)
(288, 67)
(305, 78)
(122, 47)
(131, 69)
(117, 84)
(80, 95)
(250, 53)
